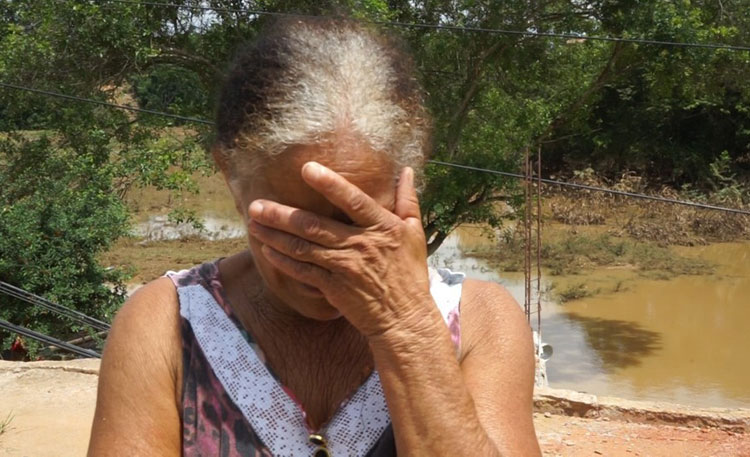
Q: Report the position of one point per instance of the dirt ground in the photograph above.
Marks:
(575, 436)
(50, 407)
(51, 404)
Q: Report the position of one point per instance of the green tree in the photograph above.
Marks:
(667, 113)
(66, 166)
(678, 115)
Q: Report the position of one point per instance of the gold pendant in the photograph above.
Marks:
(322, 449)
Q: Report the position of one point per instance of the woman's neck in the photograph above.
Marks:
(322, 362)
(282, 333)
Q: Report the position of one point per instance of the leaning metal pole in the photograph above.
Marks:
(48, 340)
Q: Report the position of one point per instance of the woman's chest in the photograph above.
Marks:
(220, 419)
(320, 377)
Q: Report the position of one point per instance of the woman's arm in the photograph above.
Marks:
(136, 405)
(374, 272)
(482, 407)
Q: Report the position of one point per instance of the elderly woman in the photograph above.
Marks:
(329, 335)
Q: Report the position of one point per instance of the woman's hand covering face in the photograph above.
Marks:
(374, 271)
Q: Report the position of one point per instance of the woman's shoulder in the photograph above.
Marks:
(491, 316)
(140, 376)
(488, 294)
(150, 304)
(147, 326)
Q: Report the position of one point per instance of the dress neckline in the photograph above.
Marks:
(218, 291)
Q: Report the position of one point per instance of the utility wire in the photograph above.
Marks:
(453, 28)
(41, 302)
(596, 189)
(101, 103)
(48, 340)
(434, 162)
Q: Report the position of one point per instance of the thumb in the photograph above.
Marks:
(407, 203)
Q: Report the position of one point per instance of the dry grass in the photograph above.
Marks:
(5, 423)
(662, 223)
(582, 230)
(567, 251)
(213, 198)
(148, 261)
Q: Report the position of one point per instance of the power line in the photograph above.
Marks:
(434, 162)
(41, 302)
(101, 103)
(48, 340)
(453, 28)
(596, 189)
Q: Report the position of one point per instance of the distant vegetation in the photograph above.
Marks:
(678, 118)
(566, 253)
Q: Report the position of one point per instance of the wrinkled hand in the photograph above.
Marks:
(374, 271)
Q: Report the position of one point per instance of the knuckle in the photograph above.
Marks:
(328, 257)
(359, 244)
(370, 254)
(310, 225)
(347, 266)
(397, 229)
(357, 202)
(392, 229)
(298, 246)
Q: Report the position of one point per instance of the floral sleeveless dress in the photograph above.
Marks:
(233, 405)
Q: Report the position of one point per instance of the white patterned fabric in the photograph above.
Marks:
(273, 414)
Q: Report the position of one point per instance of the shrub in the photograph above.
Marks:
(57, 212)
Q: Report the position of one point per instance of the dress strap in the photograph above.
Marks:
(273, 414)
(446, 287)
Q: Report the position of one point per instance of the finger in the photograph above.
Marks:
(360, 207)
(407, 202)
(304, 272)
(304, 224)
(290, 245)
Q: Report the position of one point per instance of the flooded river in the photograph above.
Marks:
(684, 340)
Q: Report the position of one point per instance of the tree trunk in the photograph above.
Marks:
(437, 240)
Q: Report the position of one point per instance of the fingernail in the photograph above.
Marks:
(314, 169)
(256, 209)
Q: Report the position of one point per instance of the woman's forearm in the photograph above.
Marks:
(431, 409)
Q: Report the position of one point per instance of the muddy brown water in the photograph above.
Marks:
(683, 340)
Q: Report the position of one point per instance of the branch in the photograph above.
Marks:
(437, 236)
(485, 200)
(433, 245)
(208, 71)
(472, 86)
(602, 78)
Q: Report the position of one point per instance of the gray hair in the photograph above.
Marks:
(305, 82)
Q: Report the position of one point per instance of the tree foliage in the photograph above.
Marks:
(680, 116)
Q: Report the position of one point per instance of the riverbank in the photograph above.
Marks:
(640, 300)
(582, 231)
(52, 405)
